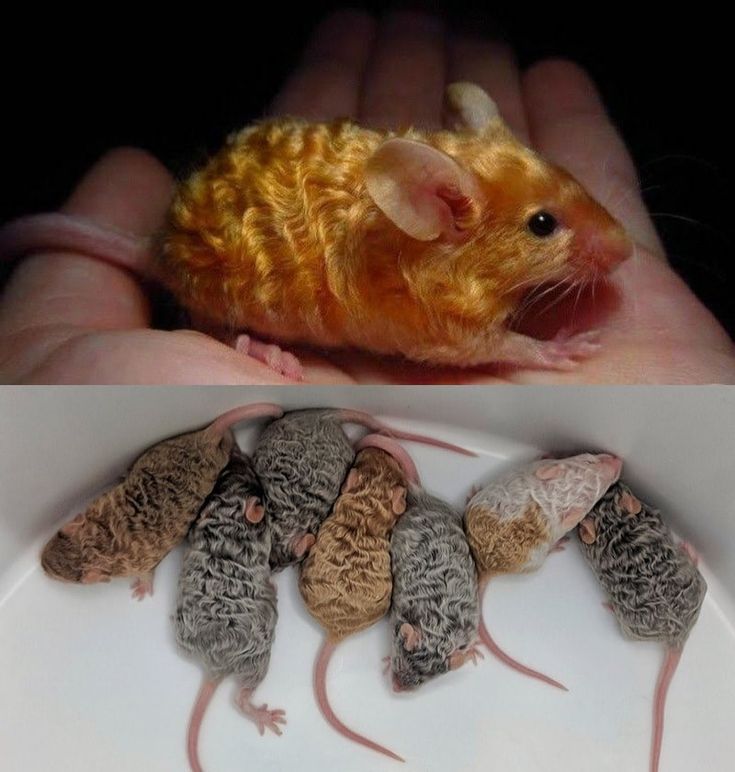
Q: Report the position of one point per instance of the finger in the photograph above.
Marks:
(492, 65)
(127, 189)
(327, 82)
(404, 80)
(568, 124)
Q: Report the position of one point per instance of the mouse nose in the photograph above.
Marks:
(601, 249)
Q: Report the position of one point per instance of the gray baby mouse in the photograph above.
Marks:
(434, 608)
(655, 588)
(226, 609)
(302, 459)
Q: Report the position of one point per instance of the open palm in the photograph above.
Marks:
(69, 318)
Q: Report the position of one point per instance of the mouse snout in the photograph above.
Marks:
(599, 250)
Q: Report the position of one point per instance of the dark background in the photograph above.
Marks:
(78, 83)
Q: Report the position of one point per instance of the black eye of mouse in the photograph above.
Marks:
(542, 224)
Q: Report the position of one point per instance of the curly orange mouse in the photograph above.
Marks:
(414, 243)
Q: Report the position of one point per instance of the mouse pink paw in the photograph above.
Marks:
(564, 350)
(262, 716)
(282, 362)
(142, 586)
(386, 664)
(474, 652)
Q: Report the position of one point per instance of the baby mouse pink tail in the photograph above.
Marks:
(390, 446)
(659, 703)
(496, 651)
(320, 691)
(58, 232)
(206, 691)
(220, 425)
(366, 420)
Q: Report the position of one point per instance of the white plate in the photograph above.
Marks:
(91, 679)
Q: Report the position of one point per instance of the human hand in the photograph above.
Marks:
(68, 318)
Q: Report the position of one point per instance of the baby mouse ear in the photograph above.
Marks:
(630, 503)
(398, 500)
(68, 529)
(549, 471)
(423, 191)
(410, 636)
(254, 510)
(352, 481)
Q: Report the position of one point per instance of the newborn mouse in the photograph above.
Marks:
(434, 609)
(417, 243)
(302, 460)
(226, 610)
(654, 586)
(346, 581)
(513, 523)
(130, 528)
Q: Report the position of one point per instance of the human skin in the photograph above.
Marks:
(68, 318)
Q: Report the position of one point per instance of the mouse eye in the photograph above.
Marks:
(542, 224)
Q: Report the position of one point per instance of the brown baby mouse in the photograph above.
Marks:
(434, 607)
(346, 579)
(302, 460)
(226, 609)
(417, 243)
(655, 589)
(514, 522)
(129, 529)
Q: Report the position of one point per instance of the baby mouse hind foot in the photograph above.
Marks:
(263, 717)
(142, 586)
(283, 362)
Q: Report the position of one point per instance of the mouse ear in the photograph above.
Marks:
(410, 635)
(423, 191)
(572, 517)
(587, 531)
(630, 503)
(253, 510)
(549, 471)
(398, 500)
(68, 529)
(352, 481)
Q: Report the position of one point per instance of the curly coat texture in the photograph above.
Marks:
(226, 609)
(346, 579)
(655, 589)
(301, 460)
(278, 234)
(434, 589)
(502, 545)
(129, 529)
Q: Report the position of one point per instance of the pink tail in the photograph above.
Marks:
(659, 703)
(366, 420)
(320, 691)
(496, 651)
(220, 425)
(389, 445)
(195, 722)
(63, 232)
